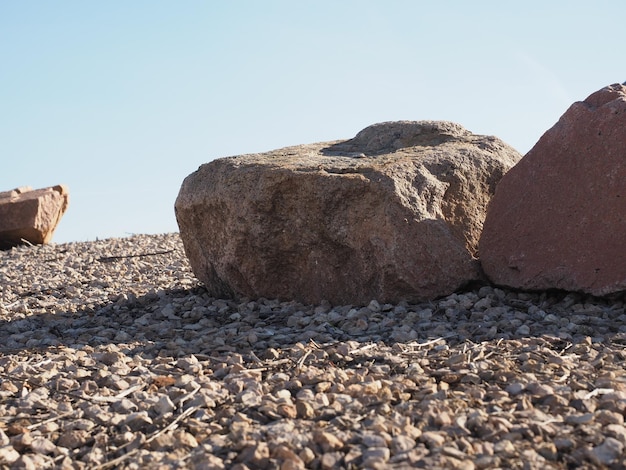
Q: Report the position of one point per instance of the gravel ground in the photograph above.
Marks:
(113, 356)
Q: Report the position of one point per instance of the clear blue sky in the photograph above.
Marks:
(120, 100)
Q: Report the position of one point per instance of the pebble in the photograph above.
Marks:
(41, 445)
(164, 406)
(515, 388)
(375, 456)
(8, 455)
(327, 441)
(608, 452)
(433, 439)
(402, 443)
(331, 460)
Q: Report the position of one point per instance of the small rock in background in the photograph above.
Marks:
(30, 216)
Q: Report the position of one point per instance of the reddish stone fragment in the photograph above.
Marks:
(558, 218)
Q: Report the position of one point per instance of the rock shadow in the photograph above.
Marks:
(183, 321)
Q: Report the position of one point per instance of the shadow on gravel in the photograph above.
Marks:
(491, 355)
(179, 322)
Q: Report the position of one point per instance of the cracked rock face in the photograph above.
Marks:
(392, 214)
(558, 219)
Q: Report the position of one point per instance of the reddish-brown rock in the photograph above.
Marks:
(558, 219)
(31, 216)
(393, 214)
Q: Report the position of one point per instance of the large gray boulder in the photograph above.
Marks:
(392, 214)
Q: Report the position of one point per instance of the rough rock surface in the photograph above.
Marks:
(558, 219)
(392, 214)
(31, 216)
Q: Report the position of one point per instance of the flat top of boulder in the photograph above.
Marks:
(389, 137)
(380, 144)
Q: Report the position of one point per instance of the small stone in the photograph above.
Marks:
(607, 452)
(124, 406)
(138, 421)
(307, 455)
(373, 440)
(580, 419)
(4, 439)
(207, 461)
(287, 410)
(402, 443)
(122, 337)
(539, 389)
(305, 410)
(109, 357)
(331, 460)
(162, 442)
(96, 456)
(8, 455)
(22, 441)
(483, 303)
(504, 447)
(84, 424)
(41, 445)
(375, 456)
(164, 406)
(132, 441)
(36, 399)
(169, 312)
(74, 439)
(433, 439)
(548, 451)
(453, 452)
(605, 417)
(564, 444)
(327, 441)
(292, 465)
(32, 462)
(288, 459)
(188, 364)
(256, 455)
(250, 398)
(185, 439)
(515, 388)
(583, 405)
(617, 431)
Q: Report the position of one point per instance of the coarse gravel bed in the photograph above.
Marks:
(112, 355)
